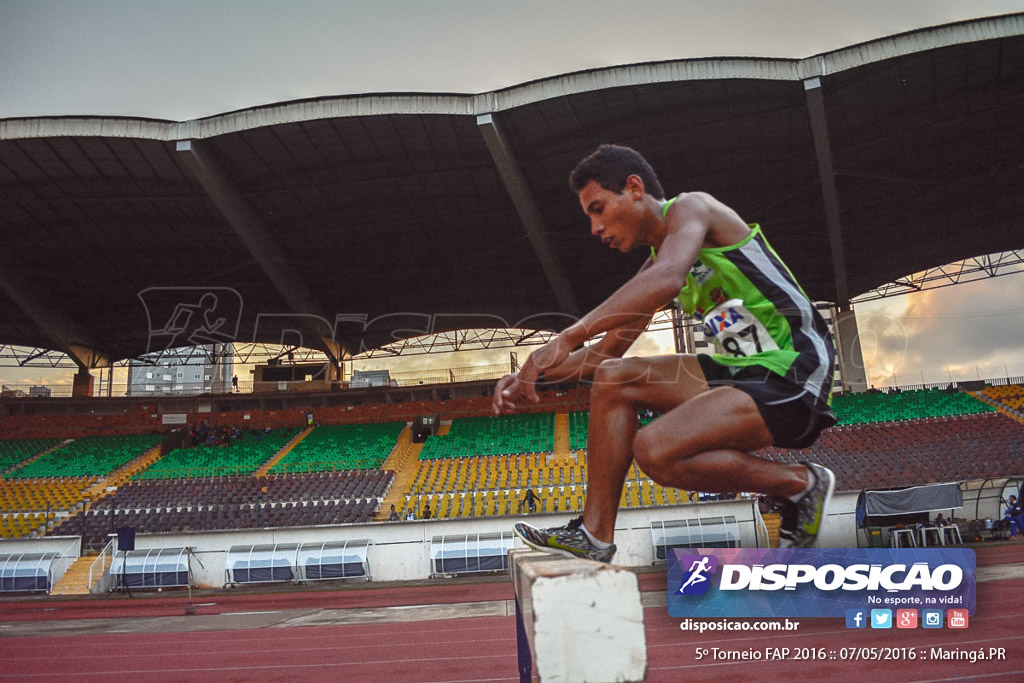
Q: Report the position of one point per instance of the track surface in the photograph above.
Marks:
(247, 637)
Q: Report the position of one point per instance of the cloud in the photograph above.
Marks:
(968, 330)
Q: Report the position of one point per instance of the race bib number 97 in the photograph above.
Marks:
(735, 331)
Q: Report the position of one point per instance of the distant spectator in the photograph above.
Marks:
(1015, 515)
(393, 517)
(940, 521)
(426, 511)
(530, 499)
(234, 384)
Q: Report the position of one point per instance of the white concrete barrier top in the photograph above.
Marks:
(583, 620)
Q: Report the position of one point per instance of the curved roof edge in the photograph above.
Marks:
(716, 68)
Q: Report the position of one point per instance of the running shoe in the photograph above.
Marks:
(801, 521)
(568, 540)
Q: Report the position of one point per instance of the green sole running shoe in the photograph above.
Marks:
(569, 540)
(801, 521)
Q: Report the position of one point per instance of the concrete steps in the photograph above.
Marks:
(772, 522)
(76, 579)
(263, 469)
(405, 462)
(562, 437)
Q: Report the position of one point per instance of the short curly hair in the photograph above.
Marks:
(610, 166)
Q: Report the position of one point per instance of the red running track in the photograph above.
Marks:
(484, 648)
(150, 605)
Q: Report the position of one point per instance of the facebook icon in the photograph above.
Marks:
(856, 618)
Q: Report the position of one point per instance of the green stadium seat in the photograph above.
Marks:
(342, 447)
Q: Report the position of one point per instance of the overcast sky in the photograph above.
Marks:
(183, 59)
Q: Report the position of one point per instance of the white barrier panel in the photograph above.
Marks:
(580, 620)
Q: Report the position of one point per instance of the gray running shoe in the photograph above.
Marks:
(801, 521)
(565, 540)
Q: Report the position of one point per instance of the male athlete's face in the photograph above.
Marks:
(613, 216)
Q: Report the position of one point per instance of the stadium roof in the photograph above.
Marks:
(366, 219)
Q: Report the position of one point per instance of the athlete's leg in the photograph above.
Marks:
(620, 388)
(718, 425)
(705, 444)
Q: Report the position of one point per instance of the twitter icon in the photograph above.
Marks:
(881, 618)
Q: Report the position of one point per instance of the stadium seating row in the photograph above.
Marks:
(19, 525)
(96, 526)
(495, 472)
(30, 495)
(882, 455)
(872, 407)
(342, 447)
(504, 435)
(244, 456)
(15, 451)
(237, 490)
(91, 456)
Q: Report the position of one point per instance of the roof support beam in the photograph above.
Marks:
(533, 222)
(65, 334)
(262, 244)
(829, 193)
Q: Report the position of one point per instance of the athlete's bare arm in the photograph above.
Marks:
(580, 364)
(694, 221)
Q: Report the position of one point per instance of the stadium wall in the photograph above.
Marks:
(401, 550)
(59, 418)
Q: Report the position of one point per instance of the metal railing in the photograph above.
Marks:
(68, 556)
(397, 379)
(104, 560)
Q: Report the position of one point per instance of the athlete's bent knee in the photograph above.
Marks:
(649, 457)
(665, 467)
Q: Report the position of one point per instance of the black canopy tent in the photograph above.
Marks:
(908, 505)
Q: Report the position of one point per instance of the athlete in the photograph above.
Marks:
(769, 382)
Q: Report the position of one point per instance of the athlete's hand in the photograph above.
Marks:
(513, 389)
(521, 386)
(551, 355)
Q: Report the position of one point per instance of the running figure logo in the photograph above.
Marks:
(191, 316)
(697, 581)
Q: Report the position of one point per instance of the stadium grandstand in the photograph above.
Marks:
(248, 479)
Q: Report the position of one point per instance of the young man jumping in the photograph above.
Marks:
(769, 382)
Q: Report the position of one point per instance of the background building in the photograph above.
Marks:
(189, 370)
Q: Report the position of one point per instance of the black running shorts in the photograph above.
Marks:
(792, 414)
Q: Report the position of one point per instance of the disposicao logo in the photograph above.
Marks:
(696, 581)
(810, 582)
